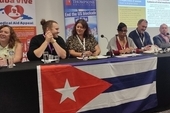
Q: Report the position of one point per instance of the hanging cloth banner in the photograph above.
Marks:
(21, 16)
(80, 9)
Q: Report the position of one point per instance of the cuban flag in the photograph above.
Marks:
(101, 86)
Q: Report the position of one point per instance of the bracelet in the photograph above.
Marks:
(53, 41)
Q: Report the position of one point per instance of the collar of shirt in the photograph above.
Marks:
(165, 37)
(6, 47)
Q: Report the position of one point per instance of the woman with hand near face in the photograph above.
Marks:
(9, 41)
(82, 42)
(48, 41)
(120, 43)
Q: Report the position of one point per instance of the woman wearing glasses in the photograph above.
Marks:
(120, 43)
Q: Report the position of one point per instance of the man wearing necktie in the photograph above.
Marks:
(163, 39)
(140, 37)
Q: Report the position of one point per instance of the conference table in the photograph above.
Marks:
(19, 89)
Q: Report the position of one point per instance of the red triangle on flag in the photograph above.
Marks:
(66, 89)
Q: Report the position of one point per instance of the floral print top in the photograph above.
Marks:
(73, 43)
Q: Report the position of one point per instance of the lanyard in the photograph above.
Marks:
(49, 46)
(124, 45)
(141, 40)
(83, 44)
(51, 49)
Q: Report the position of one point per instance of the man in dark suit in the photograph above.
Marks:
(163, 39)
(140, 37)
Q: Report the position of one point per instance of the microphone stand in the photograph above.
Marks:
(110, 49)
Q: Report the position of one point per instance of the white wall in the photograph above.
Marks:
(50, 10)
(107, 15)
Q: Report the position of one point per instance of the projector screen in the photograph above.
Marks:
(155, 12)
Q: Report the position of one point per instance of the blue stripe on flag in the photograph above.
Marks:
(108, 60)
(131, 107)
(129, 81)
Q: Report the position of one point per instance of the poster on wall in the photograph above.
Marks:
(20, 14)
(80, 9)
(130, 12)
(155, 12)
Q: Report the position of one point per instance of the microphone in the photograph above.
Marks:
(168, 35)
(102, 36)
(110, 49)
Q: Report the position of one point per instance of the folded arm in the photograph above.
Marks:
(97, 51)
(160, 43)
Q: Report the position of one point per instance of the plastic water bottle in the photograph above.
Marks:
(10, 59)
(85, 57)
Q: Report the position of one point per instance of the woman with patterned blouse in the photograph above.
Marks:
(82, 42)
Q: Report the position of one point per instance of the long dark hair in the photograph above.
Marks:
(85, 25)
(12, 38)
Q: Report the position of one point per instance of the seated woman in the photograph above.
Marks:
(82, 42)
(48, 41)
(9, 41)
(121, 44)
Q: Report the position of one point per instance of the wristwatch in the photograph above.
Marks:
(53, 41)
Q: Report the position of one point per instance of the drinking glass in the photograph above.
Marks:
(56, 58)
(10, 62)
(85, 57)
(46, 57)
(50, 57)
(155, 51)
(133, 52)
(10, 59)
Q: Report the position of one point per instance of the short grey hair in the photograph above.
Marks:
(141, 20)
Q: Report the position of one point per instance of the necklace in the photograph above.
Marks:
(83, 44)
(122, 44)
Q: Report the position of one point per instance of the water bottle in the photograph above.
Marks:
(155, 51)
(85, 57)
(10, 58)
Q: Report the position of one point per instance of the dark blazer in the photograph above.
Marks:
(135, 37)
(160, 41)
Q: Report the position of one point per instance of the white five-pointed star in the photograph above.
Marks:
(67, 91)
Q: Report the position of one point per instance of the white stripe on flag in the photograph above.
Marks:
(116, 98)
(40, 89)
(109, 70)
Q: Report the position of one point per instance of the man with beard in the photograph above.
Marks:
(48, 41)
(163, 39)
(140, 37)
